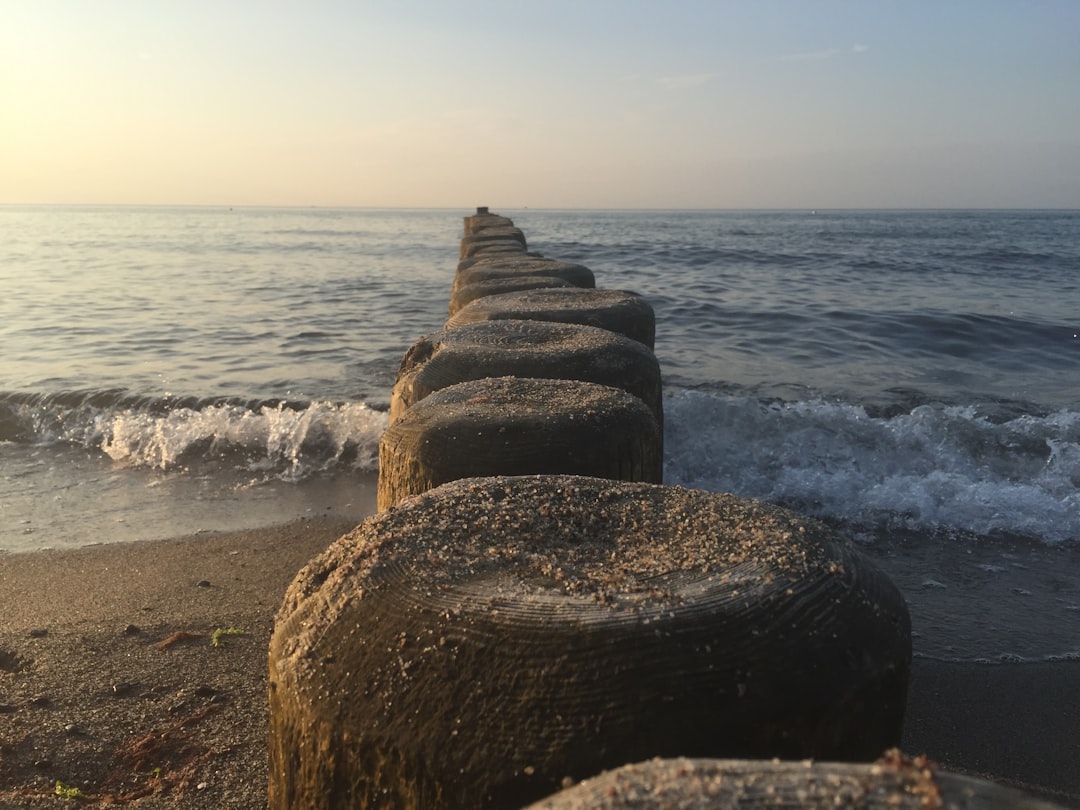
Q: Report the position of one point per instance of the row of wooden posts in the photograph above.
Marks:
(518, 318)
(531, 606)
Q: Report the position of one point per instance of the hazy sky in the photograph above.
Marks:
(547, 104)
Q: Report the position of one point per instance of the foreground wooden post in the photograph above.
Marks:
(480, 643)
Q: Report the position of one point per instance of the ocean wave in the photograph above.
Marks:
(277, 438)
(932, 468)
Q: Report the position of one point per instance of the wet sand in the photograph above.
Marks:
(93, 698)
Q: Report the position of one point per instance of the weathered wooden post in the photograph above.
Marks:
(482, 642)
(533, 349)
(518, 426)
(619, 311)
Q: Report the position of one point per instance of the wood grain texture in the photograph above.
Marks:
(517, 426)
(480, 643)
(619, 311)
(536, 349)
(481, 269)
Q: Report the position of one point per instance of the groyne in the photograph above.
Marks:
(532, 606)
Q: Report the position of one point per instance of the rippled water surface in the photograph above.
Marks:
(260, 303)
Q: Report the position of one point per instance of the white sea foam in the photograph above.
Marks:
(290, 444)
(934, 467)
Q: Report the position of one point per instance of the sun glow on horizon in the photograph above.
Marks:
(613, 105)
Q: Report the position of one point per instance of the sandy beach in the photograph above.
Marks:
(110, 683)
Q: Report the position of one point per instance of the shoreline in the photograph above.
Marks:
(88, 699)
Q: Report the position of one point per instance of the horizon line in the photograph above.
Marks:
(311, 206)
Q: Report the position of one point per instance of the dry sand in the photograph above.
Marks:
(88, 699)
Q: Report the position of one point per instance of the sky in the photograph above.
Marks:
(545, 104)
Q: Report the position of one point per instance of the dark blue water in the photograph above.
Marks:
(913, 376)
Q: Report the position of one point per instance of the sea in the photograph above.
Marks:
(911, 377)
